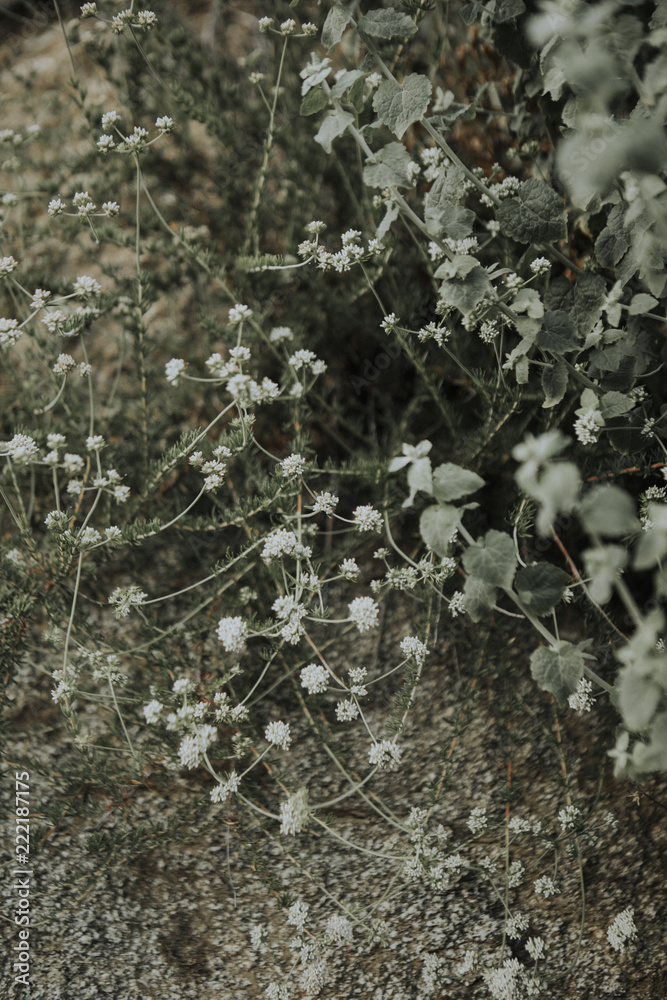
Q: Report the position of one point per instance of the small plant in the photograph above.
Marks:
(205, 533)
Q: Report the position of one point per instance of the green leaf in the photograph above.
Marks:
(608, 511)
(465, 293)
(452, 220)
(652, 544)
(556, 490)
(479, 597)
(554, 384)
(541, 587)
(333, 125)
(313, 102)
(337, 21)
(613, 404)
(419, 478)
(389, 167)
(345, 81)
(652, 756)
(388, 218)
(451, 482)
(558, 669)
(387, 23)
(437, 525)
(536, 215)
(528, 301)
(638, 696)
(590, 293)
(603, 564)
(558, 333)
(399, 105)
(642, 303)
(522, 369)
(507, 9)
(493, 561)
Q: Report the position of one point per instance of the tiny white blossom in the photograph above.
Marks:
(294, 813)
(293, 465)
(535, 948)
(386, 755)
(346, 711)
(411, 646)
(152, 711)
(232, 633)
(239, 313)
(278, 733)
(622, 929)
(364, 613)
(325, 503)
(478, 820)
(173, 370)
(545, 886)
(367, 518)
(582, 701)
(315, 678)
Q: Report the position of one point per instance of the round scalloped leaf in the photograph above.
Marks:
(493, 560)
(558, 668)
(437, 525)
(541, 587)
(400, 104)
(451, 482)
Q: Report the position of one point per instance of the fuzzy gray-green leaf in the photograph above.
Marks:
(387, 23)
(558, 668)
(400, 104)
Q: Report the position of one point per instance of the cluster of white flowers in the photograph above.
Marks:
(125, 598)
(352, 252)
(489, 330)
(324, 503)
(535, 948)
(194, 746)
(173, 370)
(478, 820)
(414, 648)
(152, 711)
(225, 789)
(582, 700)
(278, 544)
(21, 449)
(7, 265)
(540, 266)
(315, 678)
(386, 755)
(457, 605)
(305, 359)
(294, 813)
(516, 925)
(338, 928)
(232, 633)
(367, 518)
(506, 188)
(10, 331)
(432, 158)
(568, 818)
(511, 981)
(279, 734)
(238, 314)
(293, 465)
(622, 929)
(347, 711)
(364, 613)
(588, 425)
(545, 886)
